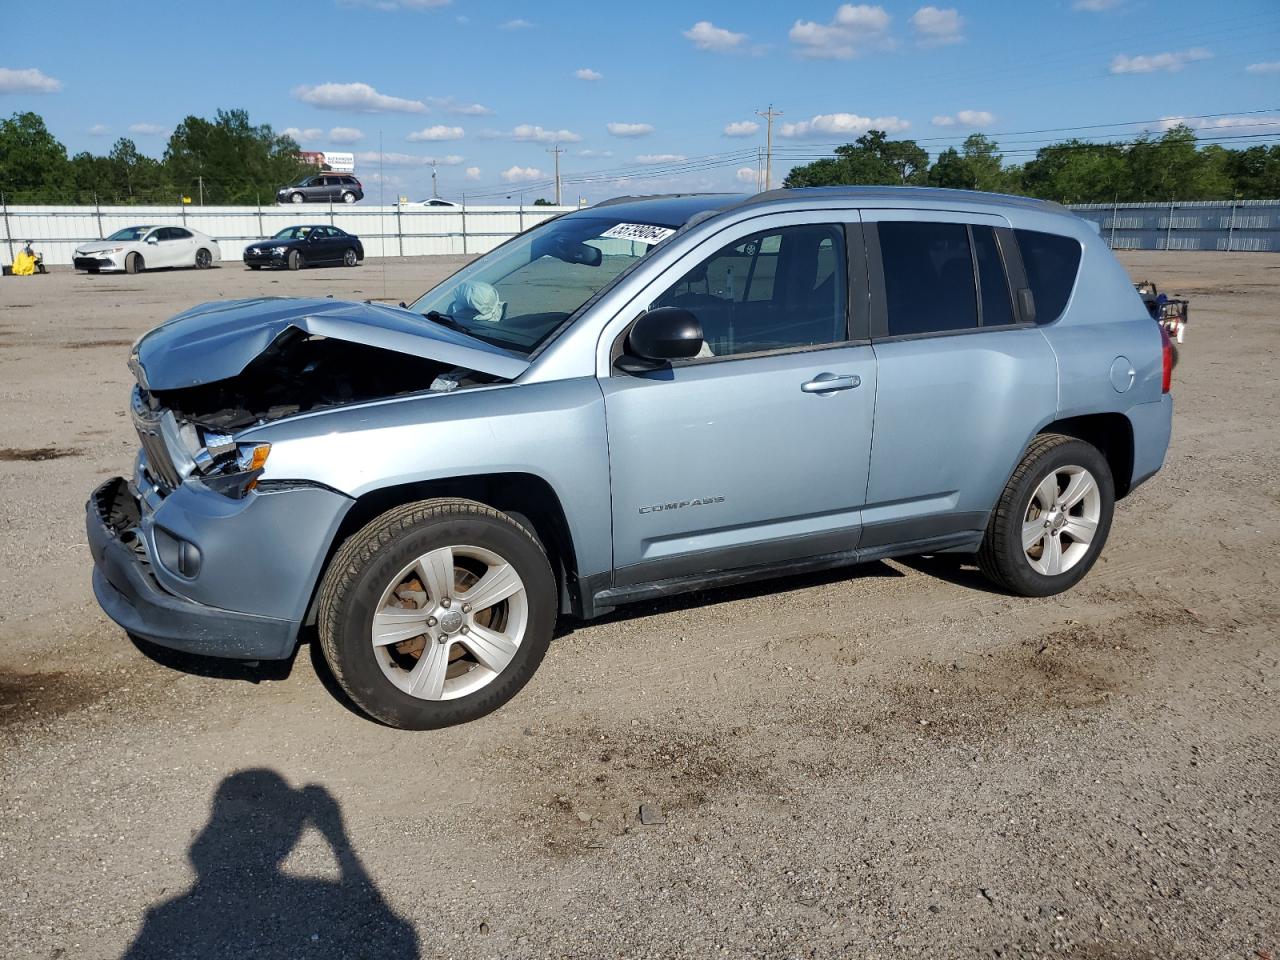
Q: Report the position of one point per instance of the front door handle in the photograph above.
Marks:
(825, 383)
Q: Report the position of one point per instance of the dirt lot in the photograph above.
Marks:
(888, 761)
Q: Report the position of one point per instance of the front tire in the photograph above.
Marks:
(437, 613)
(1052, 519)
(133, 263)
(295, 260)
(296, 198)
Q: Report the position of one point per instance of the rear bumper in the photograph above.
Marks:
(129, 593)
(1152, 430)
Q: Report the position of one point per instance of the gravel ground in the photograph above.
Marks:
(892, 761)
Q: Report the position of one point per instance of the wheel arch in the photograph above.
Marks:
(1111, 433)
(526, 497)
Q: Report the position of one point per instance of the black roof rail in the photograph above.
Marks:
(887, 192)
(656, 196)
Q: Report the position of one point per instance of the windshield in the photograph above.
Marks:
(519, 294)
(292, 233)
(130, 233)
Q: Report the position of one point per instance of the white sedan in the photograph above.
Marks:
(135, 249)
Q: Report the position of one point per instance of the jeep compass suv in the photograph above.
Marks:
(644, 397)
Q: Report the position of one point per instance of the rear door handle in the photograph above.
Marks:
(830, 383)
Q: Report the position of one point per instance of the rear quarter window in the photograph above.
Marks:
(1052, 262)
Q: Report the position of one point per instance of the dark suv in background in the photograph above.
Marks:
(321, 187)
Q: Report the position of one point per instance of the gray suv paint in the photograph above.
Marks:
(634, 400)
(322, 187)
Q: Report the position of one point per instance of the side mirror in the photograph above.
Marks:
(153, 239)
(660, 336)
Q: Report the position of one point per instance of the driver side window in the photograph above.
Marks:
(774, 290)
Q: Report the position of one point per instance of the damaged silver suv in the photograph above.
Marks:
(638, 399)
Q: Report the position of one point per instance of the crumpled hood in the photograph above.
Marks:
(218, 340)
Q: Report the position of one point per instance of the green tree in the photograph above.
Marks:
(976, 166)
(230, 160)
(1171, 167)
(33, 163)
(871, 159)
(135, 177)
(1077, 172)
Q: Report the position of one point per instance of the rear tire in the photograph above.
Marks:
(348, 197)
(204, 259)
(399, 570)
(295, 260)
(1052, 519)
(133, 263)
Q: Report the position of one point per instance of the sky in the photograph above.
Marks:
(646, 97)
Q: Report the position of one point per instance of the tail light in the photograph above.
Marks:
(1166, 360)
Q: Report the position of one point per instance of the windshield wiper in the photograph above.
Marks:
(435, 316)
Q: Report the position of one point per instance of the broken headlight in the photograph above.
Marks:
(229, 468)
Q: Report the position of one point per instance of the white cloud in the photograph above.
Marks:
(654, 158)
(840, 124)
(707, 36)
(451, 105)
(1095, 6)
(936, 26)
(629, 129)
(99, 130)
(473, 173)
(517, 24)
(966, 118)
(853, 29)
(357, 97)
(595, 153)
(532, 133)
(372, 158)
(586, 73)
(521, 174)
(741, 128)
(438, 132)
(29, 80)
(747, 175)
(345, 135)
(1271, 67)
(1254, 123)
(148, 129)
(310, 133)
(1150, 63)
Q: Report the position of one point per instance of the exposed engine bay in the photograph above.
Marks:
(300, 372)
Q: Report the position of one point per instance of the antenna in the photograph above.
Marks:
(768, 155)
(382, 217)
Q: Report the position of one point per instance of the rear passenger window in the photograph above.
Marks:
(1051, 262)
(997, 308)
(928, 277)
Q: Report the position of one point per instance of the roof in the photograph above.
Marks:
(675, 210)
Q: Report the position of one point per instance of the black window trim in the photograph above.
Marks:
(879, 312)
(1029, 296)
(857, 304)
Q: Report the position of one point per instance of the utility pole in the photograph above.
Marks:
(434, 192)
(557, 150)
(768, 150)
(200, 181)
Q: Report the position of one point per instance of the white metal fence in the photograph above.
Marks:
(406, 231)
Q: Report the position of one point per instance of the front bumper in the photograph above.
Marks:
(95, 263)
(262, 554)
(264, 259)
(129, 594)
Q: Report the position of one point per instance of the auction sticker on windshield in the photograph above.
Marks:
(639, 232)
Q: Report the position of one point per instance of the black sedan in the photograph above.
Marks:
(297, 247)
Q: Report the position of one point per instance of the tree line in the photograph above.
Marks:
(1173, 165)
(227, 160)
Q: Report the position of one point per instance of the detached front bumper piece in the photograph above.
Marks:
(129, 593)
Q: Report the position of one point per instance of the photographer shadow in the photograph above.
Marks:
(243, 905)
